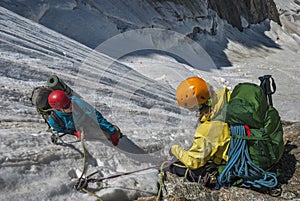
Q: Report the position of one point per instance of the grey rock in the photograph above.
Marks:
(178, 189)
(254, 11)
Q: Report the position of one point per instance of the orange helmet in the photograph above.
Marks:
(58, 99)
(192, 92)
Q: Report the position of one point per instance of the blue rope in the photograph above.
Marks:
(240, 164)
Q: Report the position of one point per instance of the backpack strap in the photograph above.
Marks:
(58, 120)
(45, 117)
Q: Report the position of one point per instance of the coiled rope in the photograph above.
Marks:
(240, 164)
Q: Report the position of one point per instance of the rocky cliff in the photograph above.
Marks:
(178, 189)
(103, 20)
(241, 13)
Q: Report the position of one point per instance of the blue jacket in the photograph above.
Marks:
(81, 112)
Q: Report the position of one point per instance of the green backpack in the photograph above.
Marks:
(248, 105)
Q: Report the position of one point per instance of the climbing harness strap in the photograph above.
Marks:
(58, 120)
(162, 175)
(82, 183)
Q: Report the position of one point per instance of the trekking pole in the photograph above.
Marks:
(265, 84)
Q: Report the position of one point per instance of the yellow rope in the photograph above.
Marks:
(84, 163)
(84, 170)
(161, 176)
(161, 180)
(186, 173)
(183, 166)
(84, 156)
(178, 165)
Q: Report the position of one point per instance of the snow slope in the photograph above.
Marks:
(240, 56)
(34, 169)
(133, 85)
(95, 21)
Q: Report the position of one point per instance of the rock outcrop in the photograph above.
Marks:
(178, 189)
(253, 11)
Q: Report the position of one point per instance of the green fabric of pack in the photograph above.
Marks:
(248, 106)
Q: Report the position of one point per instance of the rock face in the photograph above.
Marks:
(103, 20)
(178, 189)
(254, 11)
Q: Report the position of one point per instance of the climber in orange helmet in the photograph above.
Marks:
(212, 136)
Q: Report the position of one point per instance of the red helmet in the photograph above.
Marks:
(58, 99)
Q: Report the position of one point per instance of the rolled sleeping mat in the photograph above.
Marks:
(54, 82)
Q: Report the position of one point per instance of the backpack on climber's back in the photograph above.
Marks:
(39, 95)
(39, 98)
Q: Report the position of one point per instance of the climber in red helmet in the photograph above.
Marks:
(64, 121)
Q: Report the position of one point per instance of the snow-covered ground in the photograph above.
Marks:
(131, 78)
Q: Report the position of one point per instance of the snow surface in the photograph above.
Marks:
(131, 78)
